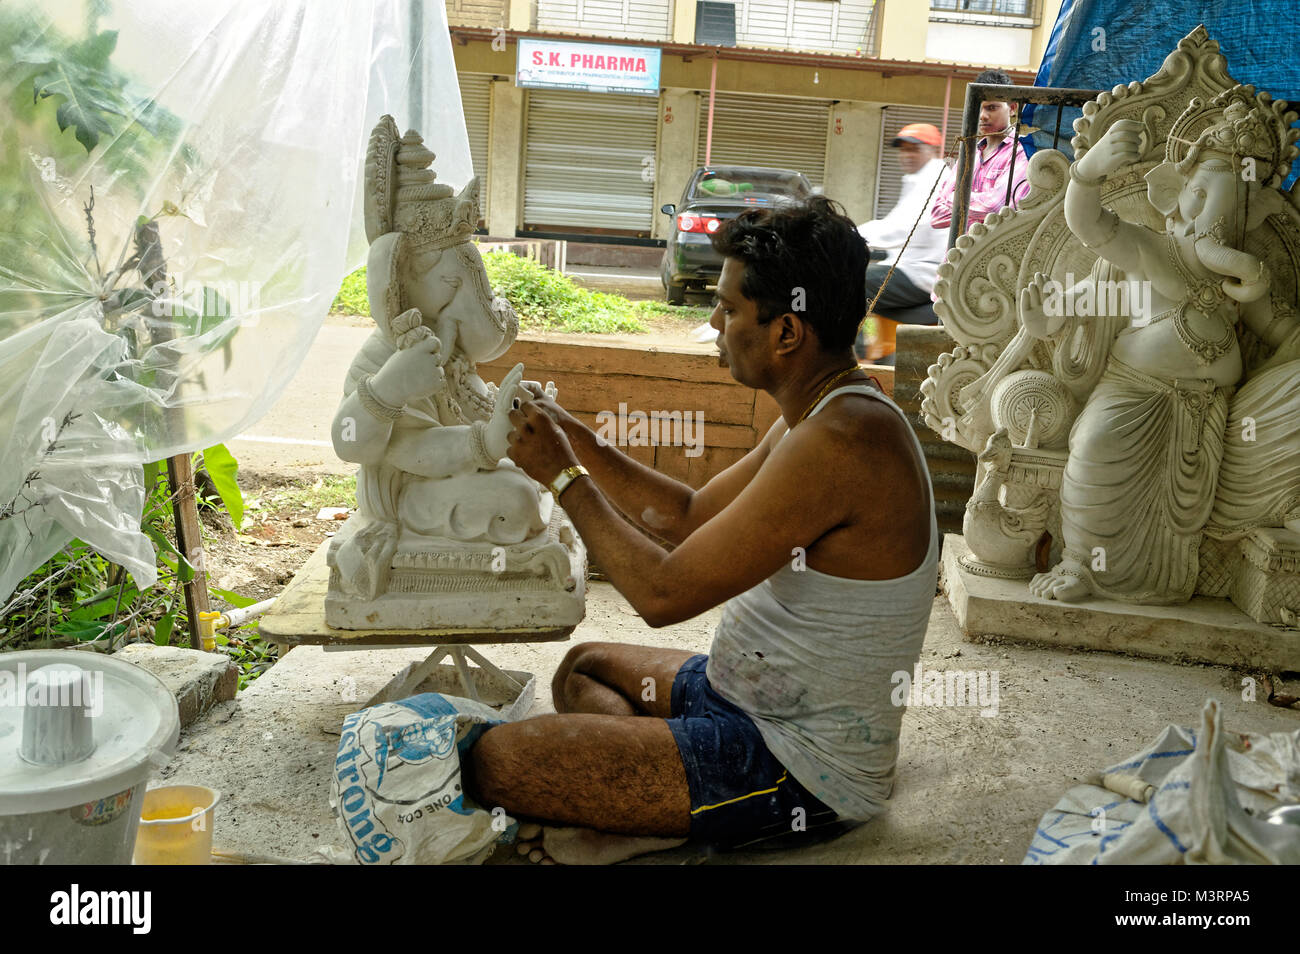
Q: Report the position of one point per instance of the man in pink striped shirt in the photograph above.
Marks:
(993, 163)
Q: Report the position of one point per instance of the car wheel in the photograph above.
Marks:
(676, 293)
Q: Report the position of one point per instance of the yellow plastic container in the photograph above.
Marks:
(176, 826)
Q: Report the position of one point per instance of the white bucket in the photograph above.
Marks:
(80, 734)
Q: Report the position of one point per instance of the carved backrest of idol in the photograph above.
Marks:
(979, 284)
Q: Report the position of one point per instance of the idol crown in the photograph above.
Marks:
(403, 196)
(1237, 125)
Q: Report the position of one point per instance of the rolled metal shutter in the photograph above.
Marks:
(889, 178)
(476, 100)
(590, 160)
(782, 132)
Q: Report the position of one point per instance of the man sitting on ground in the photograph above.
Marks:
(821, 542)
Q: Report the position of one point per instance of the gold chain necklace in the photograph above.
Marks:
(825, 390)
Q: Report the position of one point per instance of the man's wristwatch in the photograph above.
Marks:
(566, 477)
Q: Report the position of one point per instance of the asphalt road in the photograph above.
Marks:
(294, 436)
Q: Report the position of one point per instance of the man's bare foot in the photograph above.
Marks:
(529, 844)
(585, 846)
(1067, 581)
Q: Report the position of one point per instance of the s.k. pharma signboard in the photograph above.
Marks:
(596, 67)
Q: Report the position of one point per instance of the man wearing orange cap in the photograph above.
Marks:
(918, 147)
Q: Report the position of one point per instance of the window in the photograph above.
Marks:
(993, 12)
(1013, 8)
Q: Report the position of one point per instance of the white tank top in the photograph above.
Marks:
(810, 658)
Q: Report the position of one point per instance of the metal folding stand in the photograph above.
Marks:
(298, 619)
(977, 93)
(513, 690)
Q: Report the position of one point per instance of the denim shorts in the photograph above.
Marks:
(740, 793)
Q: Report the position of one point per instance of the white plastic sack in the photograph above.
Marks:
(1203, 782)
(235, 131)
(396, 785)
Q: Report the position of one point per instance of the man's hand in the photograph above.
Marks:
(544, 398)
(538, 445)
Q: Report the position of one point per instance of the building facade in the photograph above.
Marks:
(815, 85)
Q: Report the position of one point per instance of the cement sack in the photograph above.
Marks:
(396, 785)
(1200, 797)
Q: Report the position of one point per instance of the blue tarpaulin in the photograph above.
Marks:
(1099, 44)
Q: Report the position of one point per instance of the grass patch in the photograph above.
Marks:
(545, 300)
(691, 314)
(329, 490)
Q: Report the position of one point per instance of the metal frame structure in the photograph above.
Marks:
(977, 93)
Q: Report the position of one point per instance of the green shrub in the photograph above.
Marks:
(544, 299)
(351, 299)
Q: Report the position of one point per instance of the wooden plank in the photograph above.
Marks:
(671, 462)
(720, 403)
(884, 374)
(766, 411)
(715, 434)
(598, 358)
(700, 470)
(180, 476)
(642, 455)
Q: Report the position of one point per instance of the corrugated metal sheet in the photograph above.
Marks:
(779, 131)
(625, 19)
(590, 160)
(952, 468)
(889, 178)
(476, 100)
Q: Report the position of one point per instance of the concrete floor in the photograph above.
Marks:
(970, 788)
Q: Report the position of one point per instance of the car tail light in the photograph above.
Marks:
(690, 222)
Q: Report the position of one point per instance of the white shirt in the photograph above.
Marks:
(926, 251)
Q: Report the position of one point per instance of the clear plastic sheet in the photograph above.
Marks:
(224, 143)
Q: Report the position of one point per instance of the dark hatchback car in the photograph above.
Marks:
(713, 195)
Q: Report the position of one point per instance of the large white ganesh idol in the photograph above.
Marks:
(1129, 361)
(448, 534)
